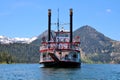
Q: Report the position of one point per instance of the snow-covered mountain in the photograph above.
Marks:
(7, 40)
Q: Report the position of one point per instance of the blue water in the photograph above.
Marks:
(35, 72)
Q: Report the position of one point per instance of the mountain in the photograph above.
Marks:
(7, 40)
(18, 50)
(95, 47)
(19, 53)
(93, 41)
(39, 38)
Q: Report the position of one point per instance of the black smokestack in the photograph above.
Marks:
(71, 15)
(49, 24)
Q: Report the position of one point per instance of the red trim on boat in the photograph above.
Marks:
(60, 42)
(45, 50)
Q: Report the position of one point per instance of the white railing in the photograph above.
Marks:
(58, 46)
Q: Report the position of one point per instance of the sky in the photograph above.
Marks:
(29, 18)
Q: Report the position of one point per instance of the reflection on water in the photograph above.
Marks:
(35, 72)
(59, 73)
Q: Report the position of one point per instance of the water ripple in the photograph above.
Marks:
(34, 72)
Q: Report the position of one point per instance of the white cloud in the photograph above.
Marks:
(108, 10)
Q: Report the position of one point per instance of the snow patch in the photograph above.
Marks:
(7, 40)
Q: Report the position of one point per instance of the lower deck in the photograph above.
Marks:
(62, 64)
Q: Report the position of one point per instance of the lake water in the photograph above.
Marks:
(35, 72)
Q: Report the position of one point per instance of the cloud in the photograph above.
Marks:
(108, 10)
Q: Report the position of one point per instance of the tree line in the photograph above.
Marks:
(19, 53)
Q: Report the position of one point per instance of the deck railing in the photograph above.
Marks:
(60, 45)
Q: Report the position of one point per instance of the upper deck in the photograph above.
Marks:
(61, 41)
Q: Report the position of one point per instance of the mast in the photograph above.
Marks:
(58, 21)
(71, 35)
(49, 24)
(58, 29)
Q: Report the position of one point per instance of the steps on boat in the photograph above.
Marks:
(53, 56)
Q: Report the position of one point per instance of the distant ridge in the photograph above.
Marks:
(92, 41)
(95, 47)
(8, 40)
